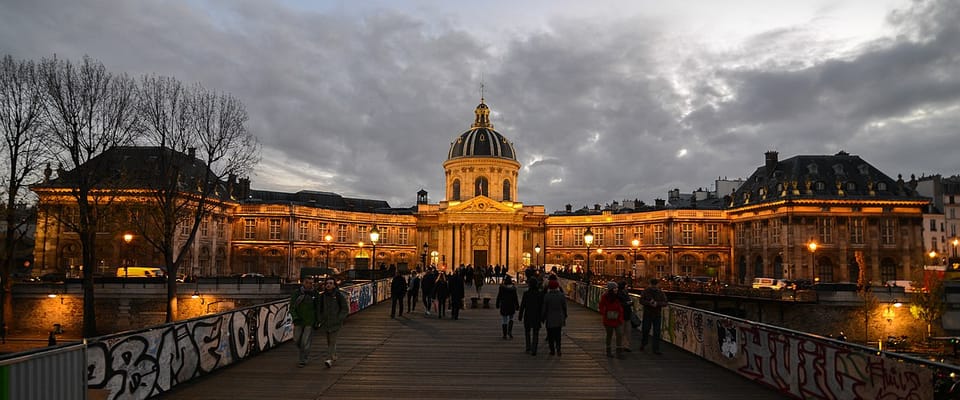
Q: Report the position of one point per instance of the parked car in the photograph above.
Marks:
(769, 283)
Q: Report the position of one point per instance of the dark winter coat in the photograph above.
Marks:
(554, 309)
(398, 287)
(428, 283)
(507, 299)
(531, 308)
(456, 286)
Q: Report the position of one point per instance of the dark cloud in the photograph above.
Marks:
(367, 104)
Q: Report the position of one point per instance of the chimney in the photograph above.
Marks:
(771, 161)
(569, 208)
(596, 207)
(661, 203)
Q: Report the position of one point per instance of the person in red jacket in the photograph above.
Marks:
(611, 313)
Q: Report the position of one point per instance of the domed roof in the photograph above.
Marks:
(481, 140)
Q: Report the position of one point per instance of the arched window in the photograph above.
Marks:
(506, 190)
(481, 187)
(456, 190)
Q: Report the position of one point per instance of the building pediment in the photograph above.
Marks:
(481, 204)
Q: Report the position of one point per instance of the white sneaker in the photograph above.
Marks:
(328, 363)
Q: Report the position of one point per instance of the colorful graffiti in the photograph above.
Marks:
(150, 362)
(797, 364)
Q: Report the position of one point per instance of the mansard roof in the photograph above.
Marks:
(822, 177)
(326, 200)
(137, 167)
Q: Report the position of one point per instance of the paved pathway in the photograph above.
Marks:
(427, 358)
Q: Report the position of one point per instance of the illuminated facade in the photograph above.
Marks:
(860, 219)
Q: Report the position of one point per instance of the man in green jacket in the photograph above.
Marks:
(303, 312)
(333, 310)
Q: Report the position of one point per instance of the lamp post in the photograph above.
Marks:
(426, 248)
(600, 253)
(588, 240)
(127, 238)
(329, 239)
(360, 254)
(812, 246)
(955, 243)
(536, 249)
(636, 245)
(374, 238)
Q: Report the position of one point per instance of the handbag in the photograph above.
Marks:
(613, 314)
(635, 320)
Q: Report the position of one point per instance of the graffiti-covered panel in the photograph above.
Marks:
(147, 363)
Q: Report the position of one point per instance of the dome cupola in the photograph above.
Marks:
(481, 140)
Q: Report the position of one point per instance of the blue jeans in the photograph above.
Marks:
(651, 321)
(302, 336)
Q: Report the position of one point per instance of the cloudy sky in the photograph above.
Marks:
(604, 100)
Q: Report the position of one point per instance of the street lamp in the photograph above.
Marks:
(374, 238)
(360, 254)
(812, 246)
(127, 238)
(636, 245)
(588, 240)
(329, 239)
(426, 248)
(955, 243)
(536, 249)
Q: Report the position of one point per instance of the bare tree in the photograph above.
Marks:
(210, 129)
(89, 111)
(21, 119)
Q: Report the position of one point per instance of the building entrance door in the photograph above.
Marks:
(480, 258)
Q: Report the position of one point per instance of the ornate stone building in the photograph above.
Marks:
(826, 218)
(860, 219)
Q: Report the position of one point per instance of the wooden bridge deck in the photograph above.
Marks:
(428, 358)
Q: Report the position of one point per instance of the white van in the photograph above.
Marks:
(139, 272)
(906, 285)
(769, 283)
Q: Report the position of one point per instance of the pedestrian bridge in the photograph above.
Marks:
(422, 357)
(246, 354)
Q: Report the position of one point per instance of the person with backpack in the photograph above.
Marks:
(554, 315)
(303, 312)
(334, 309)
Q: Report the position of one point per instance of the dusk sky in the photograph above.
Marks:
(603, 100)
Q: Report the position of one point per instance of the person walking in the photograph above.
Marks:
(653, 300)
(413, 289)
(478, 280)
(441, 291)
(303, 312)
(457, 288)
(531, 309)
(333, 311)
(426, 286)
(398, 290)
(611, 314)
(554, 315)
(627, 303)
(507, 302)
